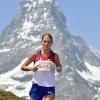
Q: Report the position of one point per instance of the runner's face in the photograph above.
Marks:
(46, 42)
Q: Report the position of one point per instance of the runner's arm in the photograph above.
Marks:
(29, 60)
(58, 65)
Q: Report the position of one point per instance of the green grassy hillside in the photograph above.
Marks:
(8, 96)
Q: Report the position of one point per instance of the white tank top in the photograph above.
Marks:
(45, 75)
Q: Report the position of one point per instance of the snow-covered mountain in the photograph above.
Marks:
(81, 63)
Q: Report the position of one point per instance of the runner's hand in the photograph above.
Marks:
(35, 68)
(59, 69)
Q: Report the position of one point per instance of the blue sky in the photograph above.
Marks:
(83, 17)
(7, 12)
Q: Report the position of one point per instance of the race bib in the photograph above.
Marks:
(44, 65)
